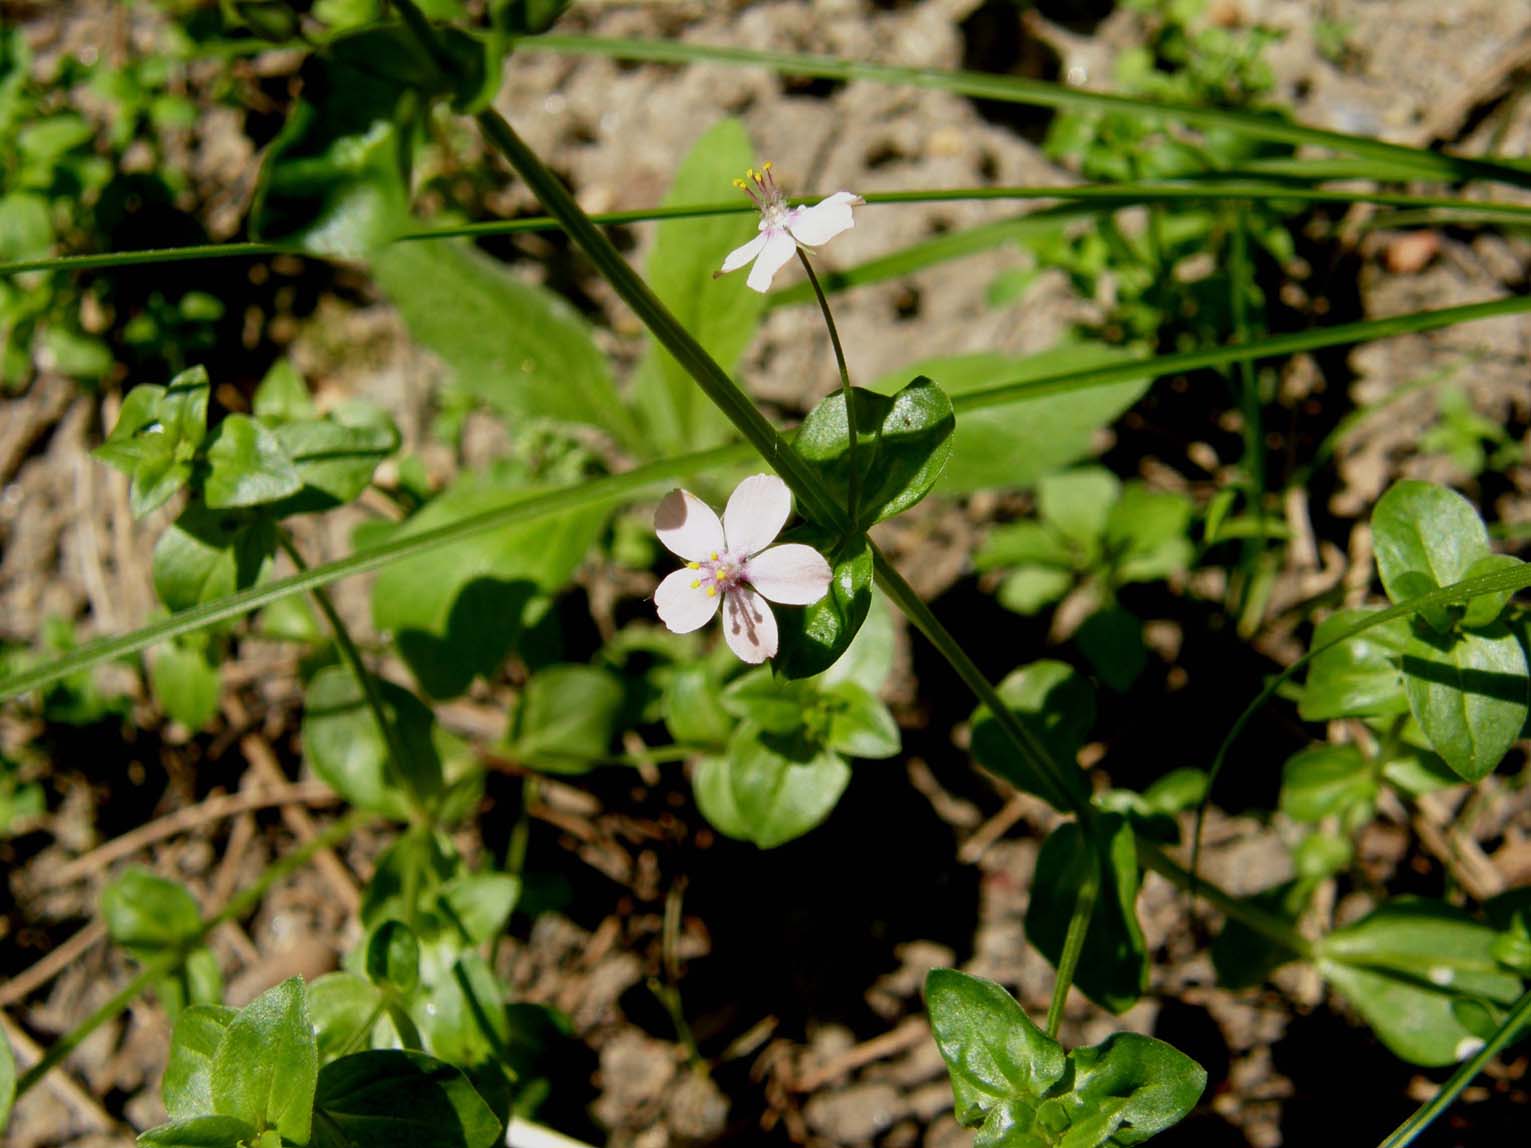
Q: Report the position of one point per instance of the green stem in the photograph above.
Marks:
(812, 496)
(614, 488)
(642, 479)
(853, 436)
(1269, 925)
(1073, 944)
(1249, 393)
(171, 959)
(1512, 1029)
(351, 656)
(811, 493)
(1105, 197)
(1011, 89)
(1049, 780)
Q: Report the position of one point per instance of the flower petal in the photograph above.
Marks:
(792, 574)
(749, 627)
(756, 511)
(779, 247)
(688, 527)
(812, 226)
(739, 256)
(682, 605)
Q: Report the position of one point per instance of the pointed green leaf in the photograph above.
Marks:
(1143, 1084)
(1001, 1064)
(1405, 965)
(518, 347)
(903, 443)
(813, 638)
(1326, 781)
(247, 466)
(1360, 677)
(1469, 695)
(267, 1063)
(566, 718)
(769, 789)
(1427, 531)
(392, 1098)
(210, 554)
(1113, 968)
(1059, 707)
(202, 1132)
(187, 1087)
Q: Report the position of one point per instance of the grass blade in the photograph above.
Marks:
(1010, 89)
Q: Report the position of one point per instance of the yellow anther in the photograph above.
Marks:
(767, 166)
(712, 591)
(714, 555)
(741, 185)
(696, 583)
(693, 565)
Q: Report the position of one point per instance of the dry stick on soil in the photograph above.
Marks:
(910, 1033)
(262, 759)
(185, 820)
(28, 1052)
(19, 987)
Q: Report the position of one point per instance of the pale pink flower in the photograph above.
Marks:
(728, 563)
(783, 229)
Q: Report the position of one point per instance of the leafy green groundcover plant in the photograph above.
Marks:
(417, 1023)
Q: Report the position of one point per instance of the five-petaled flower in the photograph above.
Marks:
(727, 562)
(783, 229)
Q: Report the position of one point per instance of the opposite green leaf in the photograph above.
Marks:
(343, 744)
(393, 957)
(1425, 530)
(1324, 781)
(1001, 1064)
(459, 610)
(1404, 967)
(392, 1098)
(341, 1005)
(267, 1063)
(566, 718)
(335, 457)
(1077, 504)
(1138, 1085)
(1014, 1083)
(145, 912)
(813, 638)
(208, 554)
(859, 724)
(769, 789)
(202, 1132)
(1113, 968)
(1360, 677)
(247, 466)
(185, 684)
(1058, 706)
(1469, 695)
(903, 444)
(187, 1086)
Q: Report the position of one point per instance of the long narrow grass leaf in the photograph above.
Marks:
(1012, 89)
(642, 478)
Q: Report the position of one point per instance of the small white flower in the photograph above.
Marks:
(727, 562)
(783, 229)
